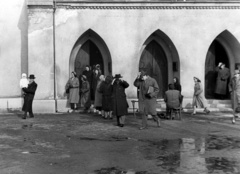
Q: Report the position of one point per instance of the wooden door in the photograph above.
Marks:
(154, 61)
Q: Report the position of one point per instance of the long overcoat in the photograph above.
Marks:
(73, 85)
(222, 80)
(120, 105)
(98, 95)
(147, 105)
(198, 99)
(85, 94)
(106, 90)
(29, 96)
(234, 89)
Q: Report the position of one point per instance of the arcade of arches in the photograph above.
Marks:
(155, 60)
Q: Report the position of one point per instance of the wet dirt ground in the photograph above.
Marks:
(88, 144)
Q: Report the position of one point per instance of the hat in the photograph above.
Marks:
(117, 76)
(197, 79)
(31, 76)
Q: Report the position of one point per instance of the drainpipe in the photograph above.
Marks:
(54, 57)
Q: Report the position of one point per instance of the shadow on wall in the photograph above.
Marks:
(23, 27)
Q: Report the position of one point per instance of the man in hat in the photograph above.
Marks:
(120, 105)
(234, 89)
(222, 78)
(148, 90)
(28, 98)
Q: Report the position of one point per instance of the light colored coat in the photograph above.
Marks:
(234, 89)
(73, 84)
(198, 99)
(147, 105)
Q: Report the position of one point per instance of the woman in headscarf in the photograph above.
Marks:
(73, 88)
(198, 98)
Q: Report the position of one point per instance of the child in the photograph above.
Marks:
(24, 81)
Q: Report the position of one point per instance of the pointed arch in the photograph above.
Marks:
(94, 39)
(160, 49)
(224, 48)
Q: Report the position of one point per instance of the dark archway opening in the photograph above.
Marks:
(154, 61)
(216, 54)
(88, 54)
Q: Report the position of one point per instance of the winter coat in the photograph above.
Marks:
(147, 104)
(222, 80)
(172, 99)
(98, 95)
(106, 90)
(120, 105)
(28, 96)
(85, 95)
(73, 85)
(95, 79)
(234, 89)
(198, 98)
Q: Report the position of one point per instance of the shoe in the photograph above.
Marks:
(32, 116)
(110, 118)
(207, 111)
(193, 113)
(141, 128)
(23, 117)
(70, 110)
(121, 125)
(233, 121)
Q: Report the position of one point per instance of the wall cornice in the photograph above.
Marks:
(151, 7)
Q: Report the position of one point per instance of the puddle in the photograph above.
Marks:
(214, 142)
(186, 155)
(115, 170)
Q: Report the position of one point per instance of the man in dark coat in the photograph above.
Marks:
(120, 105)
(172, 98)
(28, 97)
(222, 80)
(147, 97)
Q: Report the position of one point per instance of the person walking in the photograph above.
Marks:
(222, 80)
(198, 98)
(147, 97)
(120, 105)
(73, 87)
(29, 93)
(106, 90)
(85, 94)
(234, 89)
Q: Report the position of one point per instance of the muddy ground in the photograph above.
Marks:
(88, 144)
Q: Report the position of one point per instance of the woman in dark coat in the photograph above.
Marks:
(120, 105)
(177, 86)
(106, 90)
(95, 78)
(85, 94)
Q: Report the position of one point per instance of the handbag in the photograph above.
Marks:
(67, 90)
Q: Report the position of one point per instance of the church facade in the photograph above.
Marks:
(182, 39)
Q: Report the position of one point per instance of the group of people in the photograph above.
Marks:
(106, 94)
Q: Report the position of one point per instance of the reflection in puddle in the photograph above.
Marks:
(186, 155)
(114, 170)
